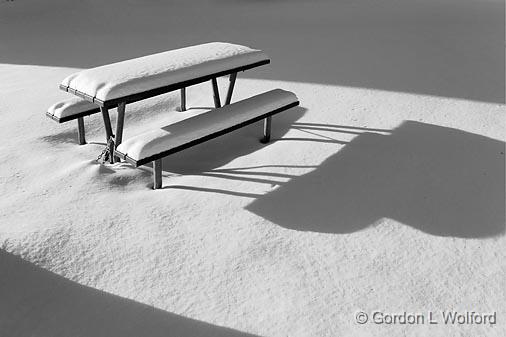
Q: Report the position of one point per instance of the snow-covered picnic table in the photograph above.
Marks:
(117, 84)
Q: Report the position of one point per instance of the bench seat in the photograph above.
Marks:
(71, 109)
(146, 76)
(155, 144)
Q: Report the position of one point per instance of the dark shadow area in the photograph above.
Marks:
(451, 48)
(219, 151)
(439, 180)
(36, 302)
(209, 190)
(62, 137)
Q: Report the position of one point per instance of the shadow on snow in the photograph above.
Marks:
(36, 302)
(449, 48)
(440, 180)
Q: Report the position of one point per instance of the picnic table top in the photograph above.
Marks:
(151, 75)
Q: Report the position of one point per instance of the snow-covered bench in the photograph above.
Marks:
(156, 144)
(70, 109)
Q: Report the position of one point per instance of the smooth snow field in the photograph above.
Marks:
(383, 193)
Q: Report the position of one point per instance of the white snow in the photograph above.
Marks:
(153, 71)
(383, 191)
(70, 107)
(208, 122)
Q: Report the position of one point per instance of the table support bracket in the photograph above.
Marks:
(107, 123)
(216, 93)
(232, 79)
(119, 123)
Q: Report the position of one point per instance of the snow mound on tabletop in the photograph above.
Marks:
(153, 71)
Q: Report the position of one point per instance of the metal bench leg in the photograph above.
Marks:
(157, 174)
(80, 131)
(216, 93)
(232, 79)
(107, 123)
(267, 130)
(183, 99)
(119, 127)
(119, 123)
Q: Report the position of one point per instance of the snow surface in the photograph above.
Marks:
(365, 199)
(153, 71)
(174, 135)
(69, 107)
(291, 238)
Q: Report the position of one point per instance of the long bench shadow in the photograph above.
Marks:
(436, 179)
(62, 137)
(36, 302)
